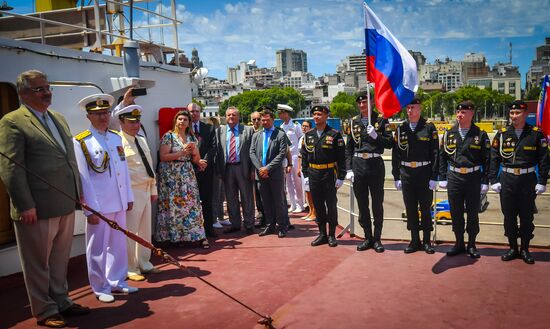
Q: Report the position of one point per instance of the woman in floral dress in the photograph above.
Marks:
(179, 217)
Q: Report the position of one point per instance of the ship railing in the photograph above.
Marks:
(98, 30)
(354, 213)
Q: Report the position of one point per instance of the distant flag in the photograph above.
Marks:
(543, 109)
(389, 66)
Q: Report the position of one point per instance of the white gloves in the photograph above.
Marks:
(349, 175)
(484, 188)
(496, 187)
(539, 189)
(372, 132)
(339, 183)
(398, 185)
(432, 184)
(443, 184)
(306, 181)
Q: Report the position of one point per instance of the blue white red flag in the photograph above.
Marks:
(543, 109)
(389, 66)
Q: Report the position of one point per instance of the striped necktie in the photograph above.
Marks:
(232, 147)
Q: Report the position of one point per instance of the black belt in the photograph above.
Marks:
(232, 163)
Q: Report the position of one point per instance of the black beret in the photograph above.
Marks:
(415, 100)
(465, 105)
(320, 108)
(361, 96)
(518, 105)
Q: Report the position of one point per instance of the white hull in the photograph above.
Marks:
(100, 73)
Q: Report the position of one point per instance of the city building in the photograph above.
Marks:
(540, 66)
(297, 78)
(197, 63)
(288, 60)
(448, 73)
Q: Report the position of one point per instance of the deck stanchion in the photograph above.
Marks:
(351, 226)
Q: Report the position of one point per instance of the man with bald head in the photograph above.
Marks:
(204, 171)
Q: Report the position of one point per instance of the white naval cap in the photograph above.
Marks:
(96, 102)
(130, 112)
(284, 107)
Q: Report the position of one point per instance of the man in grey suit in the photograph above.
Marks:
(40, 139)
(267, 151)
(233, 164)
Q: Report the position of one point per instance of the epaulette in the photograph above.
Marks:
(114, 131)
(83, 135)
(535, 128)
(503, 129)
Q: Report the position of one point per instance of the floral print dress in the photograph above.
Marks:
(179, 216)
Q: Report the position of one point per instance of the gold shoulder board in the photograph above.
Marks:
(83, 135)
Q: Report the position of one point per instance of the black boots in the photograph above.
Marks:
(322, 238)
(524, 253)
(414, 245)
(458, 248)
(368, 242)
(472, 250)
(426, 243)
(332, 242)
(513, 252)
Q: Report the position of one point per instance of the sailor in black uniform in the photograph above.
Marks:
(414, 169)
(365, 145)
(464, 161)
(323, 165)
(519, 148)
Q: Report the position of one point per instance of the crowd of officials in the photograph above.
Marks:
(259, 169)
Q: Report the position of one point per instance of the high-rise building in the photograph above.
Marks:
(288, 60)
(539, 67)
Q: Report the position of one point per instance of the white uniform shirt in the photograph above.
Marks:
(294, 132)
(138, 174)
(110, 191)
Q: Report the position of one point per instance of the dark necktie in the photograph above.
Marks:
(144, 160)
(196, 129)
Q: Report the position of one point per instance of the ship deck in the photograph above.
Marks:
(305, 287)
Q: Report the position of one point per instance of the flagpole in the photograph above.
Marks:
(367, 63)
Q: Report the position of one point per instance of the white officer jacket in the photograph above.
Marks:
(294, 132)
(111, 190)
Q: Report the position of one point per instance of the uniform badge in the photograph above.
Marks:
(434, 135)
(487, 143)
(387, 127)
(328, 140)
(376, 125)
(340, 142)
(476, 140)
(495, 143)
(120, 150)
(543, 142)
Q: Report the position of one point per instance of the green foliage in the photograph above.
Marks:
(249, 101)
(343, 110)
(199, 103)
(533, 93)
(488, 102)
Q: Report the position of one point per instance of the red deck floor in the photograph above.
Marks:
(322, 287)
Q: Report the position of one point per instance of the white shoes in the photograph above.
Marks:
(225, 222)
(217, 224)
(298, 210)
(105, 298)
(125, 290)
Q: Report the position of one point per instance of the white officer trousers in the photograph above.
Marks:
(294, 186)
(138, 221)
(106, 254)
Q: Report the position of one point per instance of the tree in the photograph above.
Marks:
(249, 101)
(199, 103)
(342, 110)
(533, 93)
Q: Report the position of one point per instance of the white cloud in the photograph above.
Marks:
(329, 30)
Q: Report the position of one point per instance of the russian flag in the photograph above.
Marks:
(389, 66)
(543, 109)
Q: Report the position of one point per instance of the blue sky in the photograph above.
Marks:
(227, 32)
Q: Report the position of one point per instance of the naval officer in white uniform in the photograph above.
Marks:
(106, 188)
(144, 187)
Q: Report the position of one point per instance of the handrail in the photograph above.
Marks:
(353, 214)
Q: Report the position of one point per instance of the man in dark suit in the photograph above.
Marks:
(40, 139)
(205, 134)
(267, 151)
(233, 164)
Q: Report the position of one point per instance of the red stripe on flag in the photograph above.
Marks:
(545, 124)
(386, 101)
